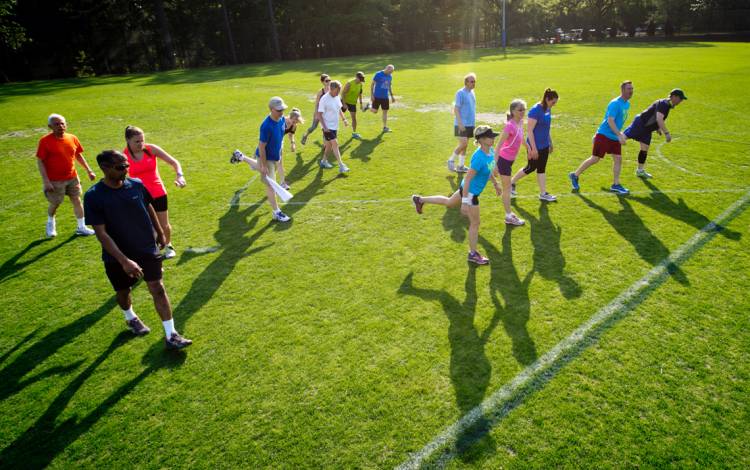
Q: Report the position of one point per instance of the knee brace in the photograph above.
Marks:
(642, 156)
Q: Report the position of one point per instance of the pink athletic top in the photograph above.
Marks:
(146, 170)
(509, 149)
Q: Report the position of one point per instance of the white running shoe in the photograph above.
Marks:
(281, 217)
(169, 252)
(343, 168)
(643, 174)
(451, 165)
(51, 229)
(513, 219)
(84, 231)
(547, 197)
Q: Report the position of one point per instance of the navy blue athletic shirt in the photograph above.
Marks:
(124, 216)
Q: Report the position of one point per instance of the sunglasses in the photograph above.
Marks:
(120, 167)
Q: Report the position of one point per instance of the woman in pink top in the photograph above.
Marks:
(142, 159)
(510, 141)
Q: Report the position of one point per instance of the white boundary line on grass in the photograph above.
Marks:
(670, 162)
(235, 200)
(543, 369)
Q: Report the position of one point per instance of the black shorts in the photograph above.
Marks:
(474, 200)
(150, 264)
(381, 103)
(540, 164)
(352, 108)
(160, 203)
(638, 134)
(504, 167)
(330, 134)
(468, 131)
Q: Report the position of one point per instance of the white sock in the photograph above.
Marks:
(461, 159)
(169, 327)
(508, 214)
(452, 157)
(81, 223)
(51, 219)
(129, 313)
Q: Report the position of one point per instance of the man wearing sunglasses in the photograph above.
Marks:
(119, 208)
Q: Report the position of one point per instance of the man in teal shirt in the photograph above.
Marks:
(609, 139)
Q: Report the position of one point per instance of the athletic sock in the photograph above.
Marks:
(81, 223)
(508, 214)
(129, 313)
(452, 157)
(461, 159)
(169, 327)
(51, 219)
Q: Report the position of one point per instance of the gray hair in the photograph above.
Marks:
(54, 116)
(516, 103)
(335, 84)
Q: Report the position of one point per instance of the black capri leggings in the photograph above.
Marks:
(540, 164)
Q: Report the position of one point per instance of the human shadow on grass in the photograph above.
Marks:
(12, 376)
(13, 267)
(365, 148)
(38, 446)
(631, 227)
(679, 210)
(453, 221)
(470, 369)
(549, 260)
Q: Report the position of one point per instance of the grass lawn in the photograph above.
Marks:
(357, 333)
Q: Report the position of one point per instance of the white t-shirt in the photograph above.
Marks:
(330, 106)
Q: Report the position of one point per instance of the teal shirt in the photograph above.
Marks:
(618, 109)
(482, 163)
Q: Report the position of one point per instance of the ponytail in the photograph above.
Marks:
(549, 94)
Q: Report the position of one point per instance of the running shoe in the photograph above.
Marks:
(513, 192)
(169, 253)
(513, 219)
(547, 197)
(285, 185)
(343, 168)
(236, 157)
(84, 231)
(417, 201)
(281, 217)
(462, 169)
(451, 165)
(304, 139)
(176, 341)
(137, 327)
(574, 181)
(51, 229)
(641, 173)
(366, 107)
(386, 129)
(355, 135)
(619, 189)
(476, 258)
(325, 164)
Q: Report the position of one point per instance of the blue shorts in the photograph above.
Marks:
(636, 132)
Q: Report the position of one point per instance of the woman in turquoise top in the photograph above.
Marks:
(480, 171)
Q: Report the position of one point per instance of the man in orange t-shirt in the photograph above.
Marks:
(55, 158)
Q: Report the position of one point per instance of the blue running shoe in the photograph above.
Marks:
(574, 181)
(619, 189)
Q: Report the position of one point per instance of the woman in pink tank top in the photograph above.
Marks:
(506, 152)
(142, 158)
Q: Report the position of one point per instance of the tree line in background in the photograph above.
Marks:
(64, 38)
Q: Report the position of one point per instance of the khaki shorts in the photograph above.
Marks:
(271, 165)
(71, 187)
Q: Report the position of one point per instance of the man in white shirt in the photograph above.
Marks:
(329, 109)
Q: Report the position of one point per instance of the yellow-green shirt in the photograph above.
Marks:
(355, 89)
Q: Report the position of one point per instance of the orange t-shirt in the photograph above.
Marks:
(58, 156)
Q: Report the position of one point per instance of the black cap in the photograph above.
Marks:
(678, 93)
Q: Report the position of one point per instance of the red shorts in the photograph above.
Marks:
(604, 145)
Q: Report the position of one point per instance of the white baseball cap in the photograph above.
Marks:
(277, 103)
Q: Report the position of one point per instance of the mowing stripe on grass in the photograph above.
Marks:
(534, 377)
(526, 196)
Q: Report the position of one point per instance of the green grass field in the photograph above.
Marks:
(354, 336)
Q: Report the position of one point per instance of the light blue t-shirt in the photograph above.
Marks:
(482, 163)
(382, 84)
(618, 109)
(466, 102)
(542, 127)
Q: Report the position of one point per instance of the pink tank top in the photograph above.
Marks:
(509, 149)
(146, 170)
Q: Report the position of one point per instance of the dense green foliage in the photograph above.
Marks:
(42, 39)
(356, 334)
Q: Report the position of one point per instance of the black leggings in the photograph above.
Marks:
(540, 164)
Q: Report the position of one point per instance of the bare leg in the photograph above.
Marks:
(280, 169)
(335, 149)
(453, 201)
(354, 121)
(52, 208)
(541, 179)
(77, 206)
(326, 150)
(385, 118)
(161, 301)
(473, 212)
(123, 299)
(592, 160)
(520, 174)
(616, 167)
(165, 226)
(505, 179)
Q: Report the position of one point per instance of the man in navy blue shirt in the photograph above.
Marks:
(119, 209)
(650, 120)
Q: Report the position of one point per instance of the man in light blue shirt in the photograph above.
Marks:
(464, 112)
(380, 89)
(609, 139)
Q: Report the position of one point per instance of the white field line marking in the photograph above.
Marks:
(670, 162)
(533, 377)
(526, 196)
(236, 198)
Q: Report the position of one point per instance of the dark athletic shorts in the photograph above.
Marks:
(474, 200)
(329, 134)
(468, 131)
(638, 134)
(504, 166)
(604, 145)
(151, 266)
(381, 103)
(352, 108)
(160, 203)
